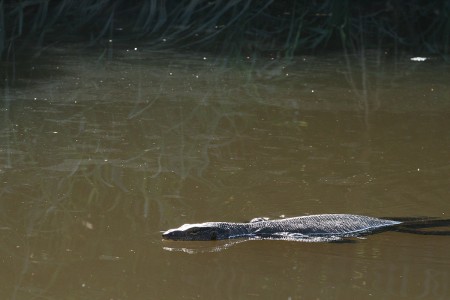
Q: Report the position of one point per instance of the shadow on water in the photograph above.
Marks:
(99, 156)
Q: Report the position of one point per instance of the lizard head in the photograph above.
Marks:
(197, 232)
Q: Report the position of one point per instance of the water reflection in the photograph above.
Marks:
(200, 247)
(98, 156)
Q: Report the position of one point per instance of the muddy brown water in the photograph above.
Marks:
(99, 154)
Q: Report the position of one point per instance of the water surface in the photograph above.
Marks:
(101, 153)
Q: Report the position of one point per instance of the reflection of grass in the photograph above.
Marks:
(140, 152)
(229, 26)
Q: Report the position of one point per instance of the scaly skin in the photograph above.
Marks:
(327, 226)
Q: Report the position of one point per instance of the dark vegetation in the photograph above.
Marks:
(230, 27)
